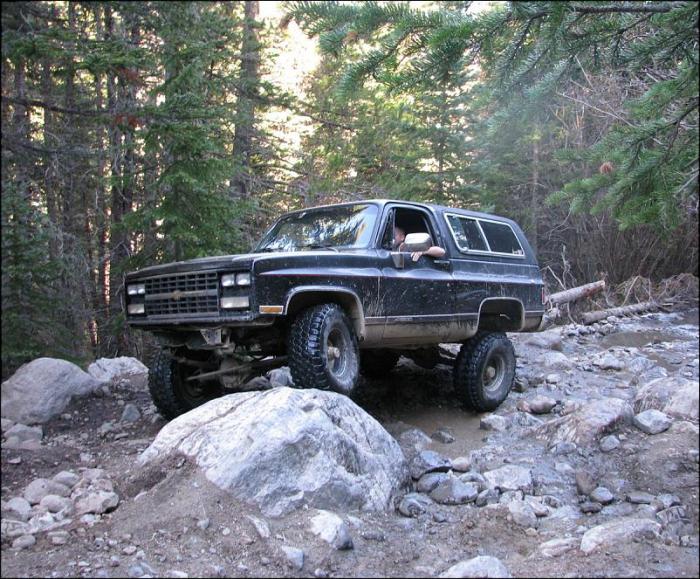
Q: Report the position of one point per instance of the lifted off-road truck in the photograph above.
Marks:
(326, 292)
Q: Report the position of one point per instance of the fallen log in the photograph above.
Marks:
(577, 293)
(592, 317)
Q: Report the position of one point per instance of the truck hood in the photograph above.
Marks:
(229, 262)
(240, 262)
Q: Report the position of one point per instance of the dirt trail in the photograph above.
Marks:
(175, 523)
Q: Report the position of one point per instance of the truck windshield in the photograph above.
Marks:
(327, 227)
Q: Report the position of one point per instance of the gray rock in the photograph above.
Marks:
(510, 496)
(609, 443)
(541, 404)
(618, 531)
(41, 389)
(547, 340)
(23, 542)
(608, 361)
(563, 448)
(331, 528)
(261, 527)
(675, 396)
(58, 537)
(281, 377)
(461, 464)
(474, 477)
(538, 507)
(666, 501)
(587, 423)
(487, 497)
(510, 477)
(25, 433)
(114, 370)
(585, 482)
(414, 504)
(482, 566)
(591, 507)
(640, 498)
(284, 448)
(652, 421)
(130, 413)
(602, 495)
(294, 556)
(452, 491)
(429, 481)
(557, 547)
(96, 502)
(56, 504)
(6, 424)
(552, 378)
(493, 422)
(40, 487)
(428, 461)
(443, 435)
(414, 440)
(555, 360)
(66, 478)
(20, 508)
(522, 514)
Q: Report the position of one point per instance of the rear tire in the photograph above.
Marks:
(170, 391)
(323, 350)
(378, 363)
(484, 371)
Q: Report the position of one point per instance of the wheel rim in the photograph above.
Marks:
(493, 373)
(336, 352)
(191, 393)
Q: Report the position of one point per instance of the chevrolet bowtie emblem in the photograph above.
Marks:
(176, 296)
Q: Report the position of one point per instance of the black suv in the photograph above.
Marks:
(328, 292)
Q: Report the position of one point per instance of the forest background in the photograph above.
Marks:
(136, 133)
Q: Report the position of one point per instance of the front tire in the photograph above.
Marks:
(484, 371)
(170, 391)
(323, 350)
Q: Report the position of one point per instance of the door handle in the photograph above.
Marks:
(443, 263)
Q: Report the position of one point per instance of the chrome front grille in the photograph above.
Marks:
(182, 294)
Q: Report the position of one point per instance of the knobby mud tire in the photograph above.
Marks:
(168, 392)
(483, 353)
(308, 350)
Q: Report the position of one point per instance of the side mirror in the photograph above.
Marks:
(417, 242)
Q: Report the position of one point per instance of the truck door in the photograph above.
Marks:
(416, 297)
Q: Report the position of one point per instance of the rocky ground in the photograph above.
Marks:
(590, 468)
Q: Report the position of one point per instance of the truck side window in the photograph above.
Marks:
(501, 238)
(467, 233)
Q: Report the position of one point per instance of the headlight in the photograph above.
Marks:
(243, 278)
(136, 309)
(136, 289)
(237, 302)
(228, 280)
(232, 279)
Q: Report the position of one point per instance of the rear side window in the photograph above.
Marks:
(473, 234)
(467, 233)
(501, 238)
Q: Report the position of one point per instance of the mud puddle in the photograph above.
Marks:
(638, 339)
(461, 424)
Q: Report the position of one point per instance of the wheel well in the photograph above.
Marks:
(501, 315)
(346, 300)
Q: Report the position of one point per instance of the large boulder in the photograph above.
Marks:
(42, 388)
(675, 396)
(587, 423)
(285, 448)
(113, 370)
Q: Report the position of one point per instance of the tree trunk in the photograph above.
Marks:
(248, 81)
(577, 293)
(592, 317)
